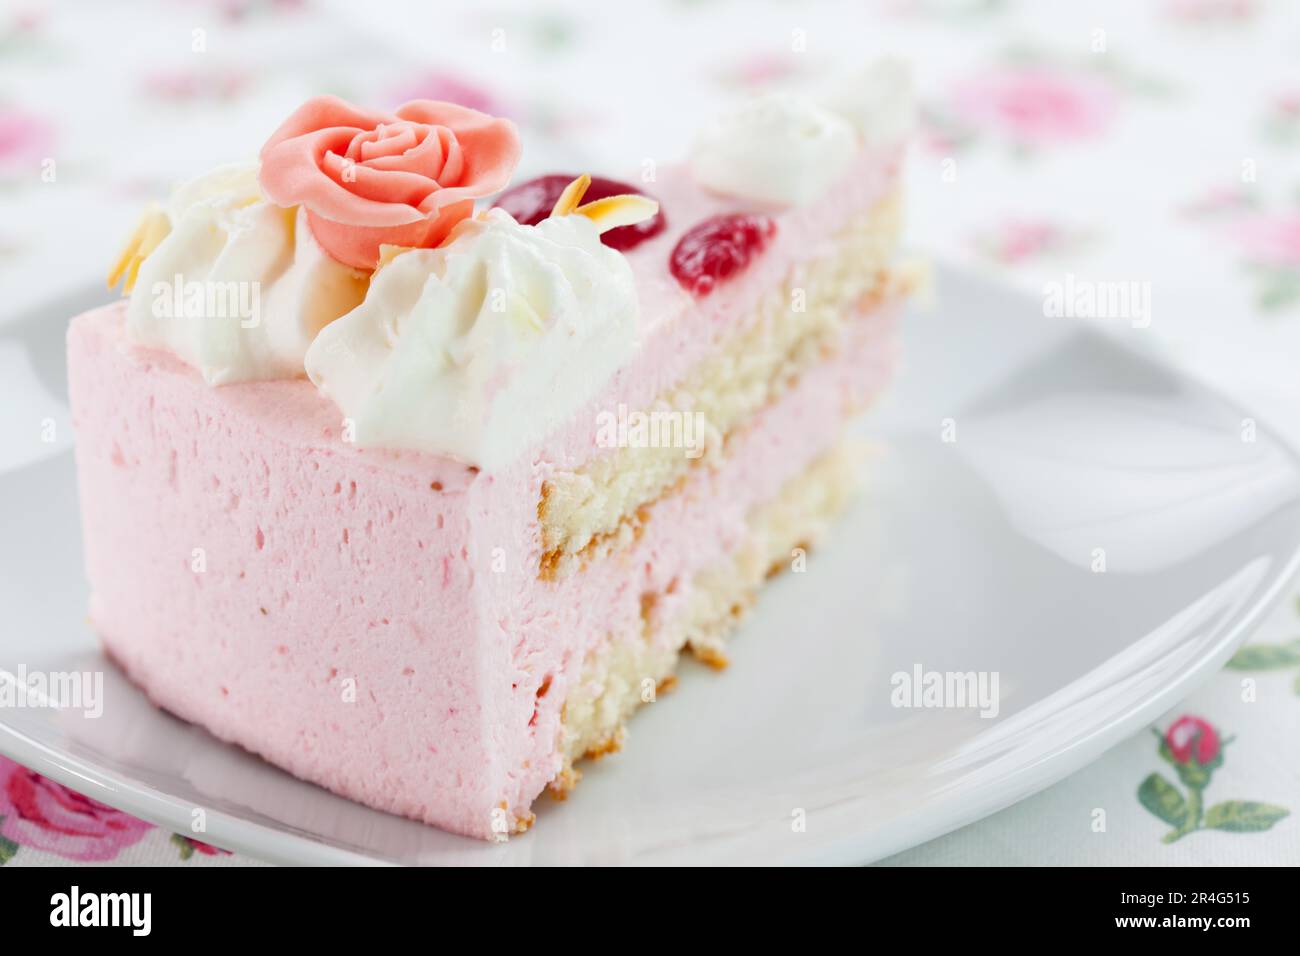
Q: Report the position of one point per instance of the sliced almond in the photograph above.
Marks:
(152, 229)
(624, 210)
(571, 196)
(389, 252)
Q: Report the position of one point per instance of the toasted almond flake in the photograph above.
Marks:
(623, 210)
(124, 257)
(152, 228)
(571, 196)
(389, 252)
(156, 230)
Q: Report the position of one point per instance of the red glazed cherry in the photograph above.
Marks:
(531, 202)
(718, 248)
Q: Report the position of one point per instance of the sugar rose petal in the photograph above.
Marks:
(369, 179)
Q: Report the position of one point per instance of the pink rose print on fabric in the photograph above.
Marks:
(1016, 241)
(1221, 201)
(38, 813)
(1036, 105)
(25, 140)
(1032, 99)
(235, 10)
(1271, 240)
(1266, 236)
(1194, 748)
(1211, 11)
(188, 847)
(1282, 119)
(1193, 740)
(183, 86)
(760, 70)
(451, 88)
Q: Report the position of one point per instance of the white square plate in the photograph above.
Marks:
(982, 553)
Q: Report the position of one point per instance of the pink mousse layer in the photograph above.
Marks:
(373, 621)
(677, 330)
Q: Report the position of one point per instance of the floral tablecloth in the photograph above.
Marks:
(1155, 142)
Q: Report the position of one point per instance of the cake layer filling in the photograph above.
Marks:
(623, 674)
(592, 510)
(641, 602)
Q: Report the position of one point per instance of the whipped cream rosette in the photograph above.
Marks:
(483, 346)
(788, 148)
(230, 283)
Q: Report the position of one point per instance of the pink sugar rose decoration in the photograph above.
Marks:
(39, 813)
(1035, 106)
(371, 178)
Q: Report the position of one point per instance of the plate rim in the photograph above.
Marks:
(1081, 752)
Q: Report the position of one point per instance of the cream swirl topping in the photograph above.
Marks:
(779, 148)
(481, 347)
(878, 101)
(236, 287)
(789, 149)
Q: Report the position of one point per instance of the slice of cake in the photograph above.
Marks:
(420, 497)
